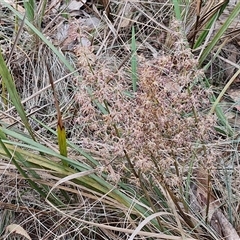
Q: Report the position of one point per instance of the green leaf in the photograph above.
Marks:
(62, 142)
(177, 10)
(220, 33)
(11, 89)
(29, 6)
(134, 61)
(226, 129)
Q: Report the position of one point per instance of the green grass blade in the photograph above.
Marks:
(62, 141)
(227, 129)
(177, 10)
(11, 88)
(15, 162)
(41, 13)
(220, 33)
(209, 24)
(92, 161)
(29, 6)
(92, 181)
(205, 32)
(134, 61)
(18, 159)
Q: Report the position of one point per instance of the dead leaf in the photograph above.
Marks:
(71, 35)
(91, 22)
(227, 230)
(76, 5)
(205, 203)
(84, 42)
(17, 229)
(234, 94)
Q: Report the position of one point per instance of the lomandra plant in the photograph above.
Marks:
(162, 123)
(157, 135)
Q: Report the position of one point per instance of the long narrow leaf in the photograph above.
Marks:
(23, 173)
(177, 10)
(21, 162)
(91, 181)
(11, 88)
(29, 5)
(220, 33)
(134, 61)
(61, 133)
(227, 129)
(91, 160)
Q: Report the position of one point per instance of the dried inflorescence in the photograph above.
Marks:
(166, 123)
(158, 127)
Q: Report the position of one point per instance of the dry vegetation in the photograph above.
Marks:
(151, 153)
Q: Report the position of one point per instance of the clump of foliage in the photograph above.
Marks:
(144, 150)
(161, 124)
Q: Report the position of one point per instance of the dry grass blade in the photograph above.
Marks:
(124, 230)
(106, 4)
(198, 10)
(40, 35)
(148, 219)
(204, 17)
(226, 87)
